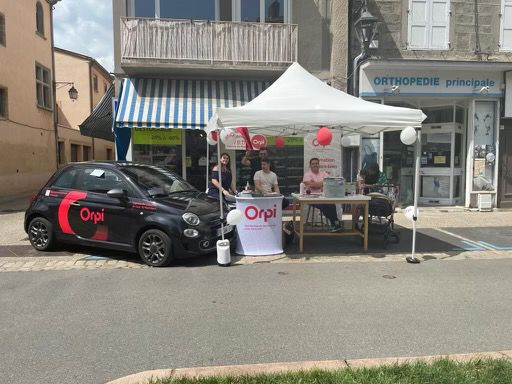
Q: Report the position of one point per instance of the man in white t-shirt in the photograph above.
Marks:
(265, 181)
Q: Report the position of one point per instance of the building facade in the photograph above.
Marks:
(176, 63)
(91, 81)
(451, 58)
(28, 144)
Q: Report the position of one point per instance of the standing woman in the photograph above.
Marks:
(214, 187)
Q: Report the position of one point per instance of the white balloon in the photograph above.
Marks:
(227, 135)
(408, 136)
(234, 217)
(346, 141)
(409, 212)
(210, 140)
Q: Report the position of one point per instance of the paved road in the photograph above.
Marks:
(91, 326)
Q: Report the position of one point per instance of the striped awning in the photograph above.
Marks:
(99, 122)
(187, 104)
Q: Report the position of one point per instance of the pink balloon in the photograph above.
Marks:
(324, 136)
(280, 142)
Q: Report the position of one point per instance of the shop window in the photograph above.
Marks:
(39, 19)
(369, 151)
(484, 149)
(3, 103)
(43, 90)
(74, 152)
(506, 26)
(436, 149)
(95, 83)
(2, 29)
(439, 115)
(86, 155)
(428, 24)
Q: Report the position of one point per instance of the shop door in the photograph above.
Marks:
(442, 168)
(505, 169)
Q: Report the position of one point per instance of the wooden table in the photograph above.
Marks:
(303, 200)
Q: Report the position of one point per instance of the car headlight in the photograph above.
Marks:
(191, 218)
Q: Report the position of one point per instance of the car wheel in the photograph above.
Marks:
(40, 234)
(155, 248)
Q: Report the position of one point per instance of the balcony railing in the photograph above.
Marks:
(206, 42)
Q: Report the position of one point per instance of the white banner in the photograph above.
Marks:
(329, 155)
(260, 232)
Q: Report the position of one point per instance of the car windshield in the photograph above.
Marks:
(157, 181)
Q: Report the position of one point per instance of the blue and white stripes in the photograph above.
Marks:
(187, 104)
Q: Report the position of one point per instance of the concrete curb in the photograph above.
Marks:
(254, 369)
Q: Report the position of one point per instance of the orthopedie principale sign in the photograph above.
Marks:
(429, 82)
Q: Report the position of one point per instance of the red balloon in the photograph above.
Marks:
(324, 136)
(280, 142)
(214, 135)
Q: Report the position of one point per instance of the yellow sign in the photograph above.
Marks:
(439, 159)
(293, 141)
(156, 136)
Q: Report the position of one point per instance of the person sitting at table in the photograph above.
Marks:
(314, 181)
(254, 161)
(226, 189)
(368, 181)
(265, 181)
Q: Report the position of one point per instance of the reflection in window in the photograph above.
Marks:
(274, 11)
(144, 8)
(250, 10)
(188, 9)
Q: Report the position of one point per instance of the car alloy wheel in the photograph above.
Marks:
(40, 234)
(155, 248)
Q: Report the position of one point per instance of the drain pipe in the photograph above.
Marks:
(355, 71)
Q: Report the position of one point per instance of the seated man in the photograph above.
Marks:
(314, 182)
(265, 181)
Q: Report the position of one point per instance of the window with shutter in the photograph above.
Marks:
(428, 24)
(506, 26)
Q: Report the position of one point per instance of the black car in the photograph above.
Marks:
(125, 206)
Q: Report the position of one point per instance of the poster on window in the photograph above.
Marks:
(369, 151)
(329, 155)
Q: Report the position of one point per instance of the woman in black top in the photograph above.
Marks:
(214, 187)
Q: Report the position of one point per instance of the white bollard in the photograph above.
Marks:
(223, 253)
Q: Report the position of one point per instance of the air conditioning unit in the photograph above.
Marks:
(485, 202)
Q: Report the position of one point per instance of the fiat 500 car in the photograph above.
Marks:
(125, 206)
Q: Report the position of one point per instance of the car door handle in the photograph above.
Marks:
(75, 204)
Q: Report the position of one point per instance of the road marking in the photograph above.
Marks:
(492, 246)
(474, 244)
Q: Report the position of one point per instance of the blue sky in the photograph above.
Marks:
(85, 26)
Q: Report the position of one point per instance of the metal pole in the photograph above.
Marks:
(412, 258)
(207, 163)
(219, 166)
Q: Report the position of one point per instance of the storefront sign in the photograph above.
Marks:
(329, 155)
(237, 141)
(260, 231)
(292, 141)
(399, 82)
(157, 136)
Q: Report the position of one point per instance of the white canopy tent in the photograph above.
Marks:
(298, 103)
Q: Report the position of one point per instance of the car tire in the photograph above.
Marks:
(40, 234)
(155, 248)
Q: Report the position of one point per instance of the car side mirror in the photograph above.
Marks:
(117, 193)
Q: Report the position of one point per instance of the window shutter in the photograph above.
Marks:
(439, 21)
(418, 20)
(506, 25)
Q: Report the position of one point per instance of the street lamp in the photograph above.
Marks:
(365, 27)
(73, 93)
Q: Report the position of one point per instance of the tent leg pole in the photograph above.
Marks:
(412, 258)
(220, 183)
(207, 163)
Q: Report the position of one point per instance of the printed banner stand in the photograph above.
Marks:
(260, 232)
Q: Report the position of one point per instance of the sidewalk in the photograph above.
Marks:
(271, 368)
(15, 204)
